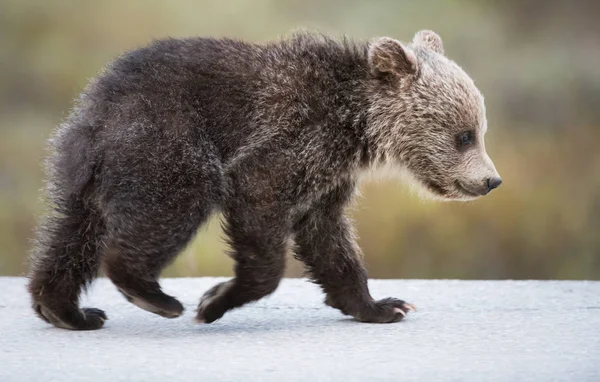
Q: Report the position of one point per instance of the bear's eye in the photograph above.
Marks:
(464, 139)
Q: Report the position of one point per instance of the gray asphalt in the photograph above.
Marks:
(463, 331)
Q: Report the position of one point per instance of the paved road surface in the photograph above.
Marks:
(463, 331)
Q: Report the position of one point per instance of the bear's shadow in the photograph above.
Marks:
(187, 327)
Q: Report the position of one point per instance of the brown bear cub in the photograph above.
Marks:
(275, 137)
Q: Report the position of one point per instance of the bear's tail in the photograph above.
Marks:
(65, 257)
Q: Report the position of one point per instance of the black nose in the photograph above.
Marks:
(493, 183)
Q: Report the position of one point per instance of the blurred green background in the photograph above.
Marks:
(537, 63)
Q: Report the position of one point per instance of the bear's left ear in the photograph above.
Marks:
(388, 57)
(430, 40)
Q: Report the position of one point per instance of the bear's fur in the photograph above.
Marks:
(275, 137)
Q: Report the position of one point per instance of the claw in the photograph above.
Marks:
(398, 310)
(410, 307)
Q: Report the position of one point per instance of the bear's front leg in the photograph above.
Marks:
(325, 243)
(258, 237)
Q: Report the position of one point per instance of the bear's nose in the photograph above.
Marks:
(492, 183)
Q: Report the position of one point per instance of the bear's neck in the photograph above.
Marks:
(388, 112)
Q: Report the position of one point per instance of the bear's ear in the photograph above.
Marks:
(388, 57)
(430, 40)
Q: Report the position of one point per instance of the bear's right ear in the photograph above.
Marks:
(388, 57)
(429, 39)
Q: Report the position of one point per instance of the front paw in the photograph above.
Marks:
(384, 311)
(213, 304)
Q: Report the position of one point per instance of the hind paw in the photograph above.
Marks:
(73, 318)
(94, 318)
(156, 302)
(90, 312)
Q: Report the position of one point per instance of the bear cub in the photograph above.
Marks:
(274, 136)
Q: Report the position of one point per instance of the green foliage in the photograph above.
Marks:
(542, 87)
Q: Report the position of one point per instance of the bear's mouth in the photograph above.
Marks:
(466, 191)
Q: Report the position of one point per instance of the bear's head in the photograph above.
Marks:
(427, 118)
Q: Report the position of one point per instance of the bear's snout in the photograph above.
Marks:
(492, 183)
(480, 188)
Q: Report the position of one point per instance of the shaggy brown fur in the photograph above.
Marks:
(275, 137)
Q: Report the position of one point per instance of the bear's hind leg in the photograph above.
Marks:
(65, 262)
(140, 246)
